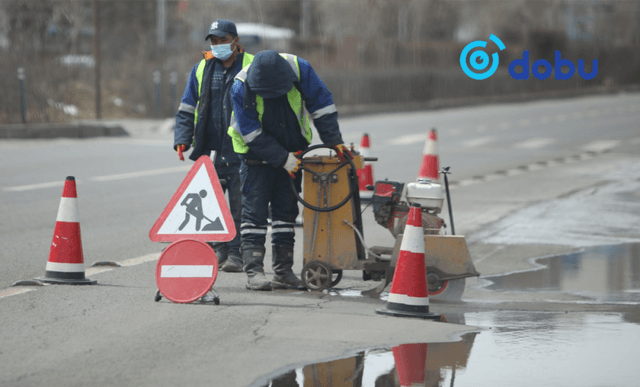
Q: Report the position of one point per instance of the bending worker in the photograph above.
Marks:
(206, 126)
(269, 126)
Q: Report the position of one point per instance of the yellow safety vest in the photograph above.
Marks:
(295, 101)
(246, 61)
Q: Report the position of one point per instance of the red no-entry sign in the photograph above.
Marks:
(186, 270)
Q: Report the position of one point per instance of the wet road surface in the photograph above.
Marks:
(513, 348)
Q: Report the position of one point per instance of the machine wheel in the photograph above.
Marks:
(338, 275)
(317, 275)
(325, 180)
(448, 291)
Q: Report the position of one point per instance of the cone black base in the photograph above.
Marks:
(60, 281)
(399, 313)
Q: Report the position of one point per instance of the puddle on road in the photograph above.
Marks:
(606, 273)
(514, 349)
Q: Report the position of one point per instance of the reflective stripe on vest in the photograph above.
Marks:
(295, 101)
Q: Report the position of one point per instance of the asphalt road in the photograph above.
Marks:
(114, 334)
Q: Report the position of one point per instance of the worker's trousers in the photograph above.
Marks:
(231, 248)
(262, 186)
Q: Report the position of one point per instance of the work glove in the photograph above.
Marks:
(180, 148)
(342, 149)
(293, 163)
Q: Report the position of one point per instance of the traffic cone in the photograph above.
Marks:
(430, 158)
(408, 296)
(66, 262)
(411, 363)
(365, 175)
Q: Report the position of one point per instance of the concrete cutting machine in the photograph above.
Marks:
(334, 236)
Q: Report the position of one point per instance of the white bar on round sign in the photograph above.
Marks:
(186, 271)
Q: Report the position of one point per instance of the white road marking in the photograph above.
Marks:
(545, 119)
(534, 143)
(131, 175)
(13, 291)
(126, 263)
(142, 141)
(151, 172)
(140, 260)
(534, 167)
(408, 139)
(601, 145)
(36, 186)
(96, 270)
(524, 122)
(478, 142)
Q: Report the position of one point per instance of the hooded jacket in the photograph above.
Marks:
(269, 81)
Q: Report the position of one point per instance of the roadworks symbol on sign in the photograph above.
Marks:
(198, 210)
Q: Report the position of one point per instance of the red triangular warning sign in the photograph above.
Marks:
(198, 209)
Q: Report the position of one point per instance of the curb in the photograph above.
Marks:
(435, 104)
(40, 131)
(87, 130)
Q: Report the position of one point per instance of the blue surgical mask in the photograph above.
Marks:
(222, 51)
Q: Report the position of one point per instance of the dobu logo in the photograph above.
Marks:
(479, 59)
(559, 62)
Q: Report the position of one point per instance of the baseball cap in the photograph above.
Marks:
(221, 28)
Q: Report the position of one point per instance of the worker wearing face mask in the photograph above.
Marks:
(204, 117)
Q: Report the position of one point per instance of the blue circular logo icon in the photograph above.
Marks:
(479, 59)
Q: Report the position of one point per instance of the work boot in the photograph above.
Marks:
(282, 263)
(253, 258)
(221, 250)
(233, 264)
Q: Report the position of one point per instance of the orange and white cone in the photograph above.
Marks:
(408, 296)
(430, 166)
(66, 262)
(365, 175)
(411, 363)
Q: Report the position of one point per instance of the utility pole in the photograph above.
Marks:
(305, 19)
(160, 24)
(403, 21)
(23, 109)
(96, 54)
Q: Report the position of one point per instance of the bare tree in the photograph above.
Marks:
(73, 14)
